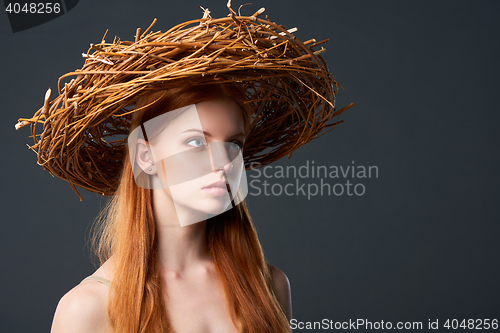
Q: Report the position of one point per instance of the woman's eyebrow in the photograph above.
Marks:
(197, 130)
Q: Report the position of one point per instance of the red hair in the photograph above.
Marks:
(128, 232)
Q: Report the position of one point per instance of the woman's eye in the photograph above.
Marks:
(196, 143)
(235, 145)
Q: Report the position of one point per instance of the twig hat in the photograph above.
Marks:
(286, 81)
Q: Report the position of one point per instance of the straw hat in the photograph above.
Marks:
(286, 81)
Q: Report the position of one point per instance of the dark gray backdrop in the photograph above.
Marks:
(420, 244)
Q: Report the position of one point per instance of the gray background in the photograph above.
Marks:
(421, 243)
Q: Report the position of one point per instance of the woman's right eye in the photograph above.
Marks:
(196, 142)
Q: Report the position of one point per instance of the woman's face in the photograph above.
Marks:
(197, 158)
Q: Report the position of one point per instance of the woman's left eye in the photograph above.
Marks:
(196, 143)
(235, 145)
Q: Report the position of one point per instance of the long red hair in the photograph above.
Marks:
(128, 233)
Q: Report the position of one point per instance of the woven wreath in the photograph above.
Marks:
(286, 82)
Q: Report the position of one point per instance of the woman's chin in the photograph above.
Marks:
(217, 208)
(203, 207)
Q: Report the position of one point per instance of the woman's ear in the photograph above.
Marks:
(144, 158)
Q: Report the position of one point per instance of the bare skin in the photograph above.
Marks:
(195, 299)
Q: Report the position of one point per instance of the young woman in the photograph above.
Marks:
(199, 103)
(208, 276)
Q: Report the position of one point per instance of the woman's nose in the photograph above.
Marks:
(220, 157)
(223, 164)
(227, 168)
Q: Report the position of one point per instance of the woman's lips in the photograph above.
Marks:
(218, 188)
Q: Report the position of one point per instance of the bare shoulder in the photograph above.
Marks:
(281, 286)
(83, 309)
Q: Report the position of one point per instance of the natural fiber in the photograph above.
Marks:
(286, 81)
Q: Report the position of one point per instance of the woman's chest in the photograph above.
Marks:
(198, 306)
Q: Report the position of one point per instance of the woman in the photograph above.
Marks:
(178, 249)
(190, 264)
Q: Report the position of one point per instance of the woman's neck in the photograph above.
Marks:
(180, 247)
